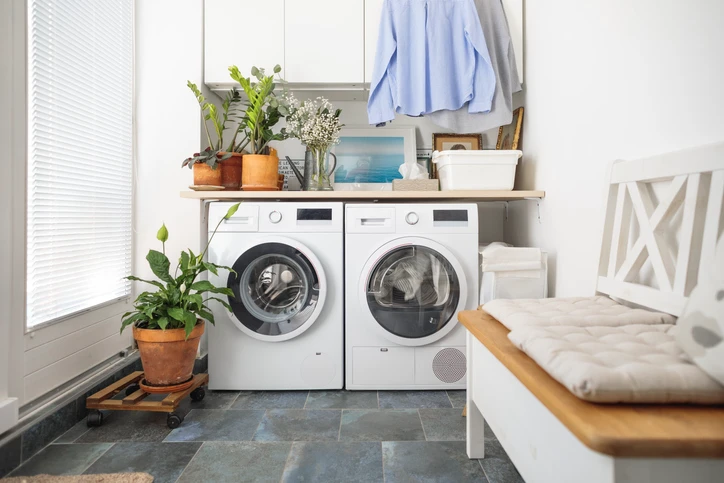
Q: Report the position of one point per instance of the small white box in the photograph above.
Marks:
(476, 170)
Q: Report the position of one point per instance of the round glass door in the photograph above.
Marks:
(413, 291)
(276, 290)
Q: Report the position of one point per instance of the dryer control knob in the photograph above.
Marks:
(275, 217)
(412, 218)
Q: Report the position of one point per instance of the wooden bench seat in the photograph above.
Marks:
(620, 430)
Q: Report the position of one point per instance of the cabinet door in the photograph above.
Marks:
(244, 33)
(324, 41)
(373, 11)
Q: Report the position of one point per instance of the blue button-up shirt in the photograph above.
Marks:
(431, 55)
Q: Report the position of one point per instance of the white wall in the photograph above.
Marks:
(605, 80)
(169, 51)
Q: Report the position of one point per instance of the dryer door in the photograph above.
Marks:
(279, 290)
(413, 289)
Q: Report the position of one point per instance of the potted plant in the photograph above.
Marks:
(263, 111)
(206, 164)
(316, 124)
(168, 322)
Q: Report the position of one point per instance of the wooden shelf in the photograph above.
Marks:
(364, 195)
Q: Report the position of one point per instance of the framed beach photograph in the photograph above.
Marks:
(509, 136)
(368, 158)
(453, 142)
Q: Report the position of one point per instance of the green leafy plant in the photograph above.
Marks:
(180, 300)
(263, 109)
(218, 119)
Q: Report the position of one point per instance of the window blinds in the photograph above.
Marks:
(80, 150)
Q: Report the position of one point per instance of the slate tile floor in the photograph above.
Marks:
(295, 436)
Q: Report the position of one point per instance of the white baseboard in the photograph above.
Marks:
(9, 410)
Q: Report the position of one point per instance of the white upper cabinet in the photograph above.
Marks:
(244, 33)
(373, 12)
(324, 41)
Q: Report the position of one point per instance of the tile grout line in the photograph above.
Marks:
(480, 462)
(341, 418)
(422, 424)
(99, 457)
(234, 400)
(190, 460)
(382, 451)
(306, 400)
(286, 461)
(452, 404)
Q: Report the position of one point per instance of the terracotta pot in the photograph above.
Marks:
(204, 175)
(231, 171)
(167, 356)
(260, 172)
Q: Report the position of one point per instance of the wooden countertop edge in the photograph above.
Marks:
(608, 429)
(470, 195)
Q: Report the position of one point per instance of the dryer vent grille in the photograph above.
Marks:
(449, 365)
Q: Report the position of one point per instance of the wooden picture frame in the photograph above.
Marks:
(451, 141)
(509, 136)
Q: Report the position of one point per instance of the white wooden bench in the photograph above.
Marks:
(551, 435)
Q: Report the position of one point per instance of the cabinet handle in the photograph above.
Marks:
(383, 349)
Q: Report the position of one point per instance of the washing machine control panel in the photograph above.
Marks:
(275, 217)
(412, 218)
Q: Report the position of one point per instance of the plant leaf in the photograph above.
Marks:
(222, 302)
(176, 313)
(233, 209)
(159, 265)
(184, 261)
(203, 285)
(206, 316)
(162, 322)
(152, 282)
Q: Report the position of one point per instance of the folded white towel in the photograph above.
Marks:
(501, 257)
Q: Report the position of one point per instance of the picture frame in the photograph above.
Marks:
(368, 158)
(509, 136)
(451, 141)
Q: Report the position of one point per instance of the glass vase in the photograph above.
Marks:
(322, 168)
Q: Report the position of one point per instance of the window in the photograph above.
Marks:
(80, 151)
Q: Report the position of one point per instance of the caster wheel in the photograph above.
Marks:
(174, 420)
(95, 418)
(198, 394)
(132, 388)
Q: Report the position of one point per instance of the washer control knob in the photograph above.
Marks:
(275, 217)
(412, 218)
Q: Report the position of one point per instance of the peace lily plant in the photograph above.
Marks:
(168, 322)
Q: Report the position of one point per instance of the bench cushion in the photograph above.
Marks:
(632, 363)
(573, 311)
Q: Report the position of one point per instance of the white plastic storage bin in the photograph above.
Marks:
(512, 273)
(476, 170)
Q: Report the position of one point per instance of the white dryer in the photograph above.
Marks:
(410, 268)
(286, 328)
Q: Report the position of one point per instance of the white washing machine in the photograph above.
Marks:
(410, 268)
(286, 328)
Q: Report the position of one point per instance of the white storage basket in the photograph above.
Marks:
(476, 170)
(512, 280)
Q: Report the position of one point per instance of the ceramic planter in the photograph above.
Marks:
(231, 171)
(260, 172)
(168, 357)
(204, 175)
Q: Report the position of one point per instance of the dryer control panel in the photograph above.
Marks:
(278, 217)
(412, 218)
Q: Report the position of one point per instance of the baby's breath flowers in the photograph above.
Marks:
(314, 122)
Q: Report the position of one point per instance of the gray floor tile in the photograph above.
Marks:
(220, 462)
(271, 400)
(458, 398)
(73, 433)
(381, 425)
(333, 462)
(414, 399)
(62, 459)
(217, 425)
(48, 429)
(299, 425)
(10, 456)
(164, 461)
(497, 465)
(443, 424)
(128, 426)
(216, 400)
(430, 461)
(342, 400)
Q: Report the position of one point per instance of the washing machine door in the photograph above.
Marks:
(279, 290)
(413, 288)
